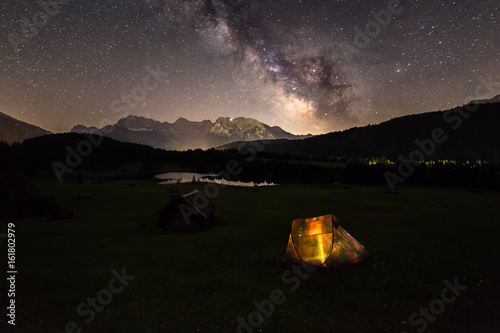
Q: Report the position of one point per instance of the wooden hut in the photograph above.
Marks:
(191, 211)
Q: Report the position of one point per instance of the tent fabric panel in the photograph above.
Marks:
(346, 250)
(312, 226)
(314, 250)
(312, 239)
(290, 254)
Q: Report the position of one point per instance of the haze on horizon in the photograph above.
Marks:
(306, 66)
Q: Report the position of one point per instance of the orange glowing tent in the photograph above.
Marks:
(321, 241)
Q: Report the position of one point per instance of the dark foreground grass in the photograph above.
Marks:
(202, 282)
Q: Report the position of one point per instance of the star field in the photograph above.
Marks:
(301, 65)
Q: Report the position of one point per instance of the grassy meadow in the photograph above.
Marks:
(202, 282)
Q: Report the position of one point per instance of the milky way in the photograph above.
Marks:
(308, 66)
(308, 82)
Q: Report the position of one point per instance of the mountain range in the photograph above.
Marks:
(476, 138)
(185, 134)
(14, 130)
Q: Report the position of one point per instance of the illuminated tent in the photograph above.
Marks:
(321, 241)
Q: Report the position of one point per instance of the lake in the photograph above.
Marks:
(187, 177)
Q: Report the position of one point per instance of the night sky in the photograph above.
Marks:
(298, 64)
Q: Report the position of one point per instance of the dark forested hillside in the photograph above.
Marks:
(86, 152)
(470, 136)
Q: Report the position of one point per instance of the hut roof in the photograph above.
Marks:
(205, 206)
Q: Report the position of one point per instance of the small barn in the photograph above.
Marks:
(191, 211)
